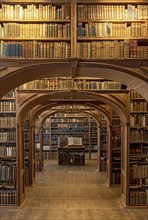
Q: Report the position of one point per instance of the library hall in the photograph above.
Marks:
(74, 110)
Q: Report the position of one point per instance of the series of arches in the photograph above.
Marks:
(42, 104)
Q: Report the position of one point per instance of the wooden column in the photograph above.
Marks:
(32, 154)
(109, 156)
(99, 149)
(125, 133)
(41, 148)
(20, 163)
(73, 30)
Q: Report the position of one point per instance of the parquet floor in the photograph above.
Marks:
(72, 193)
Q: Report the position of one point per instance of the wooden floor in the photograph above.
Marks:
(72, 193)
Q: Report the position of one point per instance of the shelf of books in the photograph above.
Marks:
(69, 125)
(43, 29)
(103, 144)
(138, 154)
(37, 146)
(65, 83)
(27, 146)
(116, 150)
(93, 138)
(40, 30)
(112, 30)
(46, 139)
(8, 160)
(74, 125)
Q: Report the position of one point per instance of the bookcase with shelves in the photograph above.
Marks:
(70, 125)
(80, 125)
(116, 150)
(103, 144)
(8, 160)
(100, 29)
(93, 138)
(112, 30)
(35, 30)
(46, 139)
(27, 148)
(38, 145)
(138, 153)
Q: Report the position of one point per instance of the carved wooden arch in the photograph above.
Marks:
(41, 100)
(94, 113)
(136, 78)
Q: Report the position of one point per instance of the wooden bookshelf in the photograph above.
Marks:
(27, 149)
(108, 30)
(116, 150)
(103, 144)
(8, 159)
(35, 30)
(138, 153)
(69, 125)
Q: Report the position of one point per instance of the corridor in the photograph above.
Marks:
(72, 193)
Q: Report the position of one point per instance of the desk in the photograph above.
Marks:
(71, 155)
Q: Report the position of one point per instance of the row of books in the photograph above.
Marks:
(95, 11)
(27, 145)
(139, 120)
(139, 106)
(26, 135)
(46, 155)
(94, 155)
(71, 115)
(140, 171)
(34, 11)
(138, 150)
(10, 95)
(8, 121)
(112, 12)
(8, 197)
(57, 30)
(71, 106)
(8, 151)
(138, 197)
(71, 130)
(37, 165)
(112, 30)
(134, 94)
(34, 49)
(138, 135)
(27, 177)
(34, 30)
(94, 49)
(8, 174)
(116, 177)
(57, 83)
(7, 106)
(80, 120)
(111, 49)
(76, 125)
(8, 136)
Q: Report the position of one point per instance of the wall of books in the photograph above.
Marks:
(43, 30)
(8, 160)
(138, 177)
(63, 83)
(65, 125)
